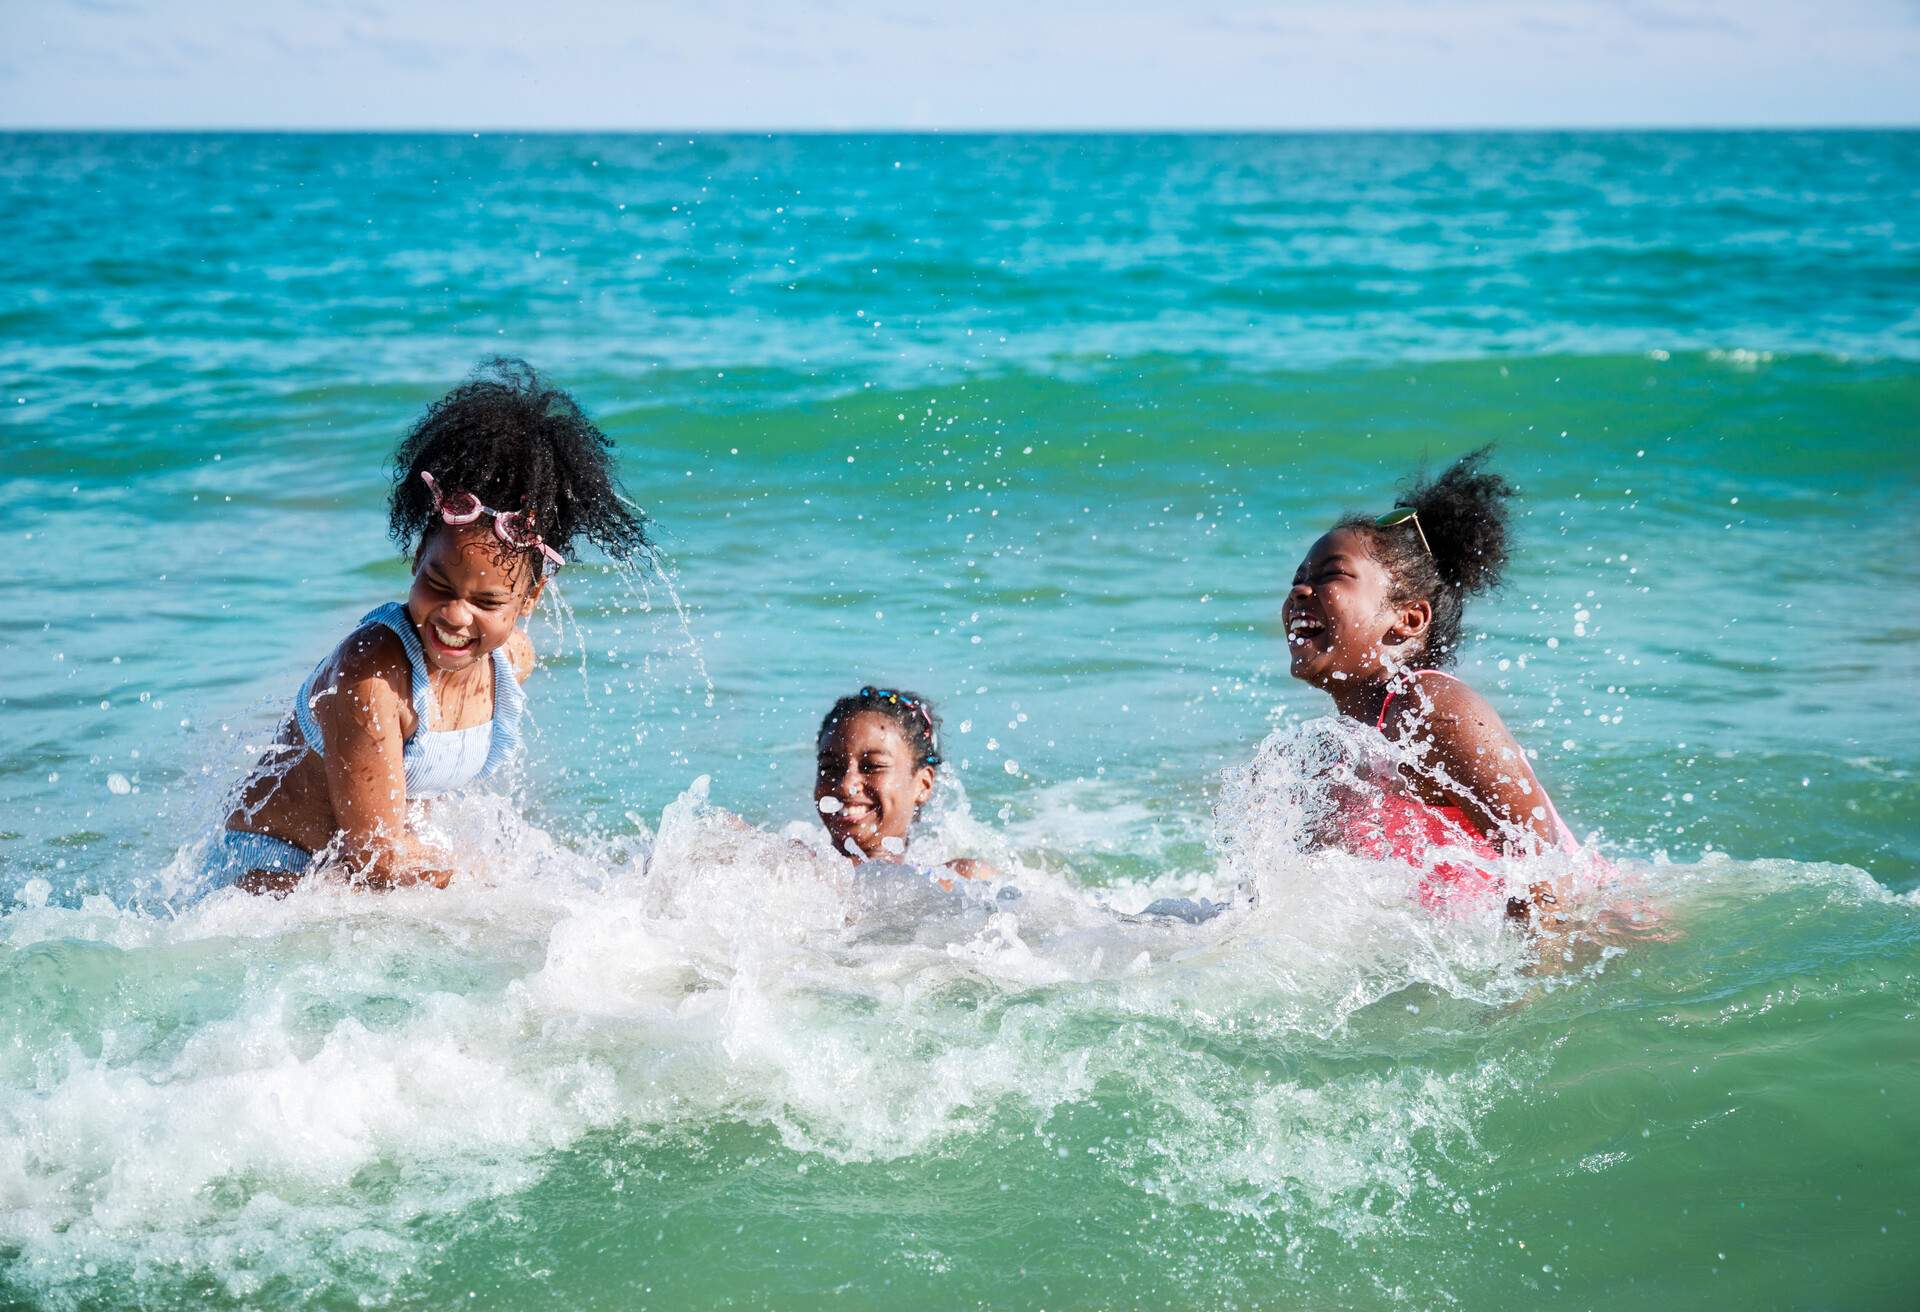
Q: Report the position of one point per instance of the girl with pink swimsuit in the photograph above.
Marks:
(1373, 617)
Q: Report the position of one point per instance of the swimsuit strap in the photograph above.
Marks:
(1382, 723)
(392, 616)
(509, 699)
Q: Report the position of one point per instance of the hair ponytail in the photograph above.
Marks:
(1454, 546)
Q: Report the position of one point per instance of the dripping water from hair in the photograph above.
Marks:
(562, 618)
(635, 580)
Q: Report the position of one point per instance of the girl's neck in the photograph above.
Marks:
(1360, 701)
(1364, 700)
(446, 681)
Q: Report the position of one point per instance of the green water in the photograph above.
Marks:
(1039, 425)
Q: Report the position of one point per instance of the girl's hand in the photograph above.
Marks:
(419, 862)
(438, 878)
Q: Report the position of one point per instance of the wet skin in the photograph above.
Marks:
(465, 603)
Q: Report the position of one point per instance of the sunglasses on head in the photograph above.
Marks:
(1401, 514)
(513, 527)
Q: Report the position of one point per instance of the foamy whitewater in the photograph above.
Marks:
(269, 1101)
(1039, 427)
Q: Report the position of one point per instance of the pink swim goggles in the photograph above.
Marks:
(510, 526)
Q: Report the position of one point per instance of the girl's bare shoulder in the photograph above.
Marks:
(1451, 700)
(520, 652)
(372, 653)
(1445, 709)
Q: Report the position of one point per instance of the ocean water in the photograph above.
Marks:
(1040, 426)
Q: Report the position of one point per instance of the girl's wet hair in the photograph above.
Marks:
(1463, 514)
(517, 442)
(911, 713)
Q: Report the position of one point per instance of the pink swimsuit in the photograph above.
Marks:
(1406, 828)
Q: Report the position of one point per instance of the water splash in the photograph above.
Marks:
(260, 1096)
(637, 581)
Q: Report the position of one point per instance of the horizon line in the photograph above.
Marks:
(965, 131)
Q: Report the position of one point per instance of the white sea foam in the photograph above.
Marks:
(278, 1090)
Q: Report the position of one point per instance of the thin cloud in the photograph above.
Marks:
(107, 7)
(993, 63)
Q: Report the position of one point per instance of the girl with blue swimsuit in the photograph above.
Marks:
(424, 697)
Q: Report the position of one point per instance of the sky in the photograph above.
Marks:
(856, 64)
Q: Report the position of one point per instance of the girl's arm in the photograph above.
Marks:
(1481, 769)
(1477, 766)
(362, 715)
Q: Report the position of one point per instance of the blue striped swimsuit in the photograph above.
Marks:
(435, 761)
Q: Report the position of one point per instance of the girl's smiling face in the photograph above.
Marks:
(467, 595)
(868, 786)
(1341, 623)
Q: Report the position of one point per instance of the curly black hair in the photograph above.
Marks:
(911, 713)
(517, 442)
(1463, 514)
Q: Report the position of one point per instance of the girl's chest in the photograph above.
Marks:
(463, 702)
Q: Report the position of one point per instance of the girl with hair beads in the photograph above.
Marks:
(876, 760)
(492, 489)
(1373, 619)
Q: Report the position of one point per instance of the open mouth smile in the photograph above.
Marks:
(1302, 629)
(449, 641)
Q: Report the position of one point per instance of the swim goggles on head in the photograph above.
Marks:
(512, 527)
(1401, 514)
(873, 694)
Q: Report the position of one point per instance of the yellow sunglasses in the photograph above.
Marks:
(1401, 514)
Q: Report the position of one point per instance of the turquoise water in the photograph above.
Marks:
(1039, 425)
